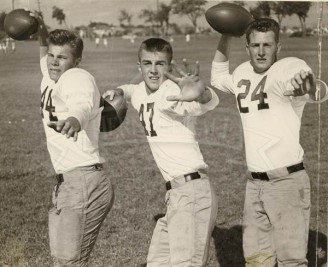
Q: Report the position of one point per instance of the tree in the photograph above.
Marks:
(59, 15)
(149, 16)
(278, 8)
(193, 9)
(125, 16)
(300, 9)
(2, 30)
(163, 17)
(2, 20)
(160, 17)
(262, 10)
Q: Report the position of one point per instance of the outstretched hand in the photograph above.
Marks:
(302, 83)
(191, 86)
(71, 126)
(112, 93)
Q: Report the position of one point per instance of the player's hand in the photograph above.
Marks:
(191, 86)
(71, 126)
(36, 14)
(112, 93)
(302, 83)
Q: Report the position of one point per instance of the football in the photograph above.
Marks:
(113, 113)
(19, 25)
(228, 18)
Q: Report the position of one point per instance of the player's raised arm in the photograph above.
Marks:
(42, 33)
(220, 78)
(223, 49)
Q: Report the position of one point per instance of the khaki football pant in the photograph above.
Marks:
(276, 221)
(181, 238)
(81, 203)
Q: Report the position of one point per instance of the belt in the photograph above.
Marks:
(187, 177)
(60, 176)
(290, 169)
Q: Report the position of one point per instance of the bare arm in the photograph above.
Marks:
(223, 49)
(42, 34)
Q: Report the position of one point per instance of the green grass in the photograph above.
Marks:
(26, 174)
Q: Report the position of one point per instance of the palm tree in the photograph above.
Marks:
(125, 16)
(59, 15)
(163, 16)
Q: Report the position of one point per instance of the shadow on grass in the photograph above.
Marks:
(229, 252)
(228, 246)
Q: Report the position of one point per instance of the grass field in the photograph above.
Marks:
(26, 174)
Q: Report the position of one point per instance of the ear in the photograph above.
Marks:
(170, 67)
(247, 49)
(278, 48)
(77, 61)
(139, 67)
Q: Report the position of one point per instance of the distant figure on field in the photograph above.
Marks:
(97, 41)
(105, 41)
(3, 47)
(13, 45)
(188, 38)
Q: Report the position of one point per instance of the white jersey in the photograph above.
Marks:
(271, 121)
(75, 94)
(170, 127)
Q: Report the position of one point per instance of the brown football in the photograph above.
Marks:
(228, 18)
(113, 114)
(19, 25)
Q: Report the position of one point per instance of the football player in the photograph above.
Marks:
(167, 115)
(71, 115)
(270, 95)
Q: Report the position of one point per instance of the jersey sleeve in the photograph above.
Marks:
(128, 90)
(81, 94)
(193, 108)
(290, 67)
(220, 77)
(294, 66)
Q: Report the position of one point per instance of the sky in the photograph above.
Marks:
(82, 12)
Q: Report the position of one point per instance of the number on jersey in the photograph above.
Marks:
(49, 107)
(150, 108)
(257, 95)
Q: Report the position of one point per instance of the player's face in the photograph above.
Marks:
(153, 65)
(60, 59)
(263, 50)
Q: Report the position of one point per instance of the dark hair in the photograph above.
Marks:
(156, 45)
(263, 25)
(64, 37)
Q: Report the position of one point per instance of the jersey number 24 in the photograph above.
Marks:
(257, 95)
